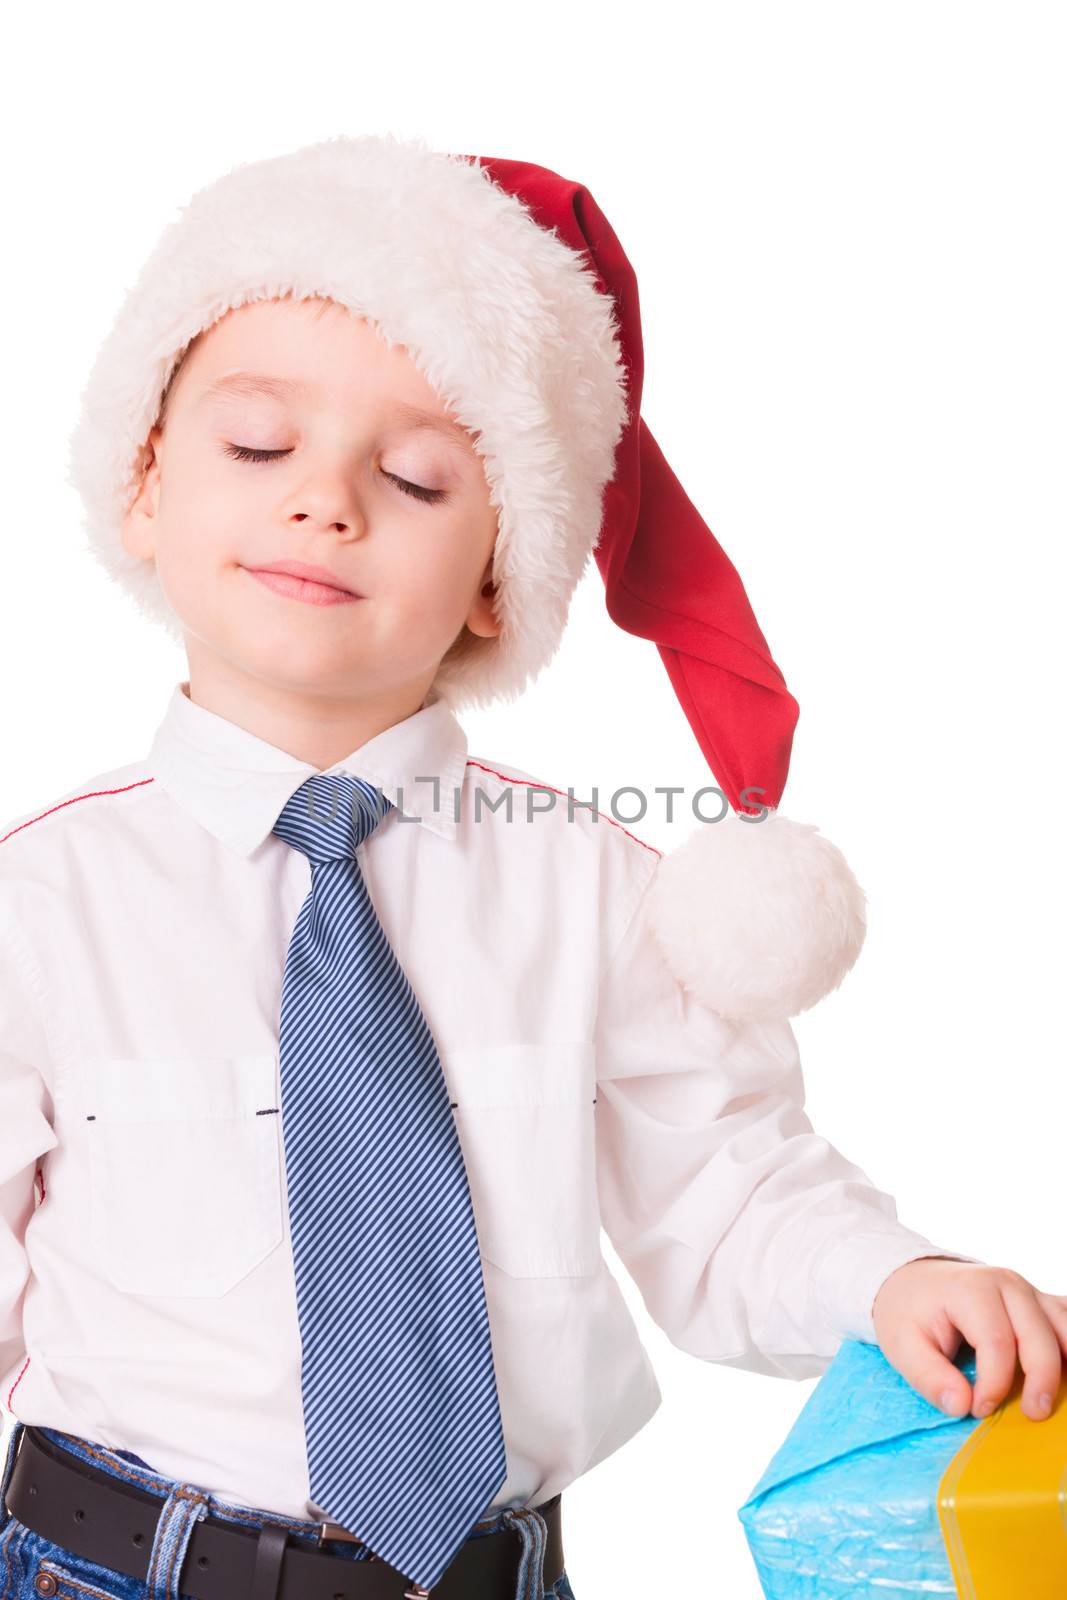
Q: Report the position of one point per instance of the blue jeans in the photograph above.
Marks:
(25, 1554)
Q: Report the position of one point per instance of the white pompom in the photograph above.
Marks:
(759, 919)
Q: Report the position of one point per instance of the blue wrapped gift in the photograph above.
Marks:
(849, 1504)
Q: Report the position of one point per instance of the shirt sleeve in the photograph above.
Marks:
(26, 1128)
(754, 1242)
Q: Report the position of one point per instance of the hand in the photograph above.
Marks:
(926, 1308)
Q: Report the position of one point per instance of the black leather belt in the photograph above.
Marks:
(86, 1511)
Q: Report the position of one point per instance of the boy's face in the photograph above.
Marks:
(336, 497)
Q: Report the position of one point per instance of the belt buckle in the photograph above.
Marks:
(334, 1530)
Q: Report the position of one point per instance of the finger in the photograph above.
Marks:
(1056, 1311)
(985, 1323)
(1039, 1348)
(917, 1356)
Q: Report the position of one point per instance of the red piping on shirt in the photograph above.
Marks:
(38, 1174)
(566, 796)
(139, 784)
(16, 1383)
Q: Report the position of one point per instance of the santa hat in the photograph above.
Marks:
(510, 291)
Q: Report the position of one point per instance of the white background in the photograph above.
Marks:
(847, 225)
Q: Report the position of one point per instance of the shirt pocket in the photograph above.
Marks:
(525, 1119)
(185, 1169)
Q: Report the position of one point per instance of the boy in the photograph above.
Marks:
(336, 1050)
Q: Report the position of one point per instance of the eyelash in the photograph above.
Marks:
(241, 452)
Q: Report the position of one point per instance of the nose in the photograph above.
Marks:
(335, 524)
(326, 498)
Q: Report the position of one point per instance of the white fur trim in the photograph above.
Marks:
(502, 317)
(758, 919)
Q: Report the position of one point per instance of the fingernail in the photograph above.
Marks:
(984, 1408)
(950, 1401)
(1044, 1402)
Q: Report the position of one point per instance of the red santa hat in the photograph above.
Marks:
(509, 289)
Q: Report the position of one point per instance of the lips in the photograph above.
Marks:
(296, 580)
(312, 574)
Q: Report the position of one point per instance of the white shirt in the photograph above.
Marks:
(147, 1300)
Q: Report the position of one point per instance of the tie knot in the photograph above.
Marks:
(330, 815)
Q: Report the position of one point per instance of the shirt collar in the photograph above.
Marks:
(235, 783)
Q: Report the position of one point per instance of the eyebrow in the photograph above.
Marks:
(253, 383)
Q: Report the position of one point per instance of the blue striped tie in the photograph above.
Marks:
(401, 1413)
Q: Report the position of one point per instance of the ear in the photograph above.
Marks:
(139, 522)
(481, 618)
(759, 919)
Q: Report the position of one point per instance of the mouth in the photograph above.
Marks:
(297, 580)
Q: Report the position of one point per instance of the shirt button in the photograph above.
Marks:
(45, 1583)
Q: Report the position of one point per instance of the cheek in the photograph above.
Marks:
(437, 574)
(202, 514)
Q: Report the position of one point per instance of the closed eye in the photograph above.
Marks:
(416, 489)
(241, 452)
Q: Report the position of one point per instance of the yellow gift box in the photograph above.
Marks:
(1002, 1503)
